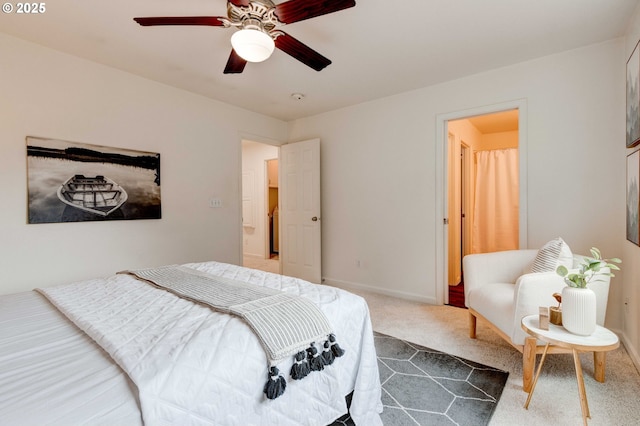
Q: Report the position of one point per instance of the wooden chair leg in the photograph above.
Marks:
(599, 363)
(472, 326)
(528, 362)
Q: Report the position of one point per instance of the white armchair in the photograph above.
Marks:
(498, 290)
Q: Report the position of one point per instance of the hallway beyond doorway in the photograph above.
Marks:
(267, 265)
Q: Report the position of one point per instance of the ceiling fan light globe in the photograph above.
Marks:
(252, 45)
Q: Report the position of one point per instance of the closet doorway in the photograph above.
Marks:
(273, 211)
(260, 210)
(483, 191)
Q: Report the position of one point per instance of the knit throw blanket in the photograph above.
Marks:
(286, 325)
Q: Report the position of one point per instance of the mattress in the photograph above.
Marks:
(53, 373)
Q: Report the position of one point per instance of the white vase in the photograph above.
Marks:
(579, 310)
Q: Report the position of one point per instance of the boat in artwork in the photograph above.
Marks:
(99, 195)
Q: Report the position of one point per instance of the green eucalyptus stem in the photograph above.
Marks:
(588, 269)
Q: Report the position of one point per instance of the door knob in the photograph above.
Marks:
(315, 218)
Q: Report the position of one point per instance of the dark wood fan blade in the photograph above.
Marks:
(235, 64)
(240, 2)
(301, 51)
(211, 21)
(299, 10)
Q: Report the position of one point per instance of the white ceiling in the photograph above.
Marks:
(506, 121)
(378, 48)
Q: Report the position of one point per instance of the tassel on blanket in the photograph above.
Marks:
(300, 368)
(327, 354)
(316, 362)
(276, 384)
(335, 348)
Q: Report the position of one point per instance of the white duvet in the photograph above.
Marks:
(195, 366)
(51, 373)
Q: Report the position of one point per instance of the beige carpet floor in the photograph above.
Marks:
(555, 400)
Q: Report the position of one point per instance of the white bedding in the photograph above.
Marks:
(216, 374)
(53, 374)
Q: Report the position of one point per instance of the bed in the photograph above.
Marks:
(209, 367)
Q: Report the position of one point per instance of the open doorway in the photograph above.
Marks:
(260, 213)
(273, 228)
(483, 190)
(298, 230)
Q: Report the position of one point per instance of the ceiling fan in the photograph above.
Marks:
(258, 35)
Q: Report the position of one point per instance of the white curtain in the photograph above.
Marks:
(495, 213)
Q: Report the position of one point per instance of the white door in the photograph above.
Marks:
(300, 224)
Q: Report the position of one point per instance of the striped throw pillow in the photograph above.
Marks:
(553, 254)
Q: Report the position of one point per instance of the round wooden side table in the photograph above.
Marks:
(602, 340)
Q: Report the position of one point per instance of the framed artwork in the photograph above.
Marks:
(633, 98)
(633, 176)
(78, 182)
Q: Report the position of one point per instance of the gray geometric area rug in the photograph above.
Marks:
(422, 386)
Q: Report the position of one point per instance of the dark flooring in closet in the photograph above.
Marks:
(456, 295)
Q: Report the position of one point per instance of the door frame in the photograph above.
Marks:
(461, 195)
(441, 202)
(465, 170)
(267, 190)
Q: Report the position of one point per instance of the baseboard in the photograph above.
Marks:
(633, 354)
(348, 285)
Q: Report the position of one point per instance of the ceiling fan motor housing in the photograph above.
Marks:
(258, 12)
(257, 21)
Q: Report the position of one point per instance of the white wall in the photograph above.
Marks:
(379, 167)
(50, 94)
(254, 155)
